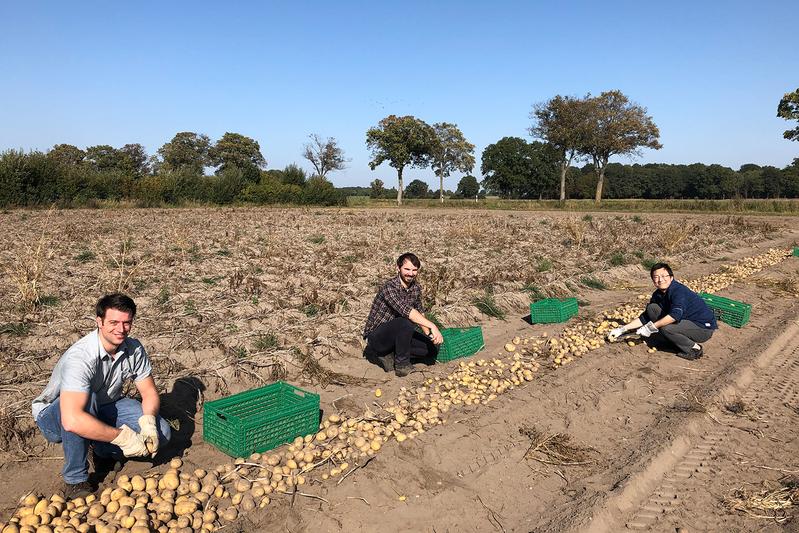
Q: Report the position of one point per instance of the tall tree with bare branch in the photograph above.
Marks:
(451, 152)
(325, 155)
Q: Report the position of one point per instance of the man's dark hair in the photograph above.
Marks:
(408, 256)
(118, 301)
(659, 266)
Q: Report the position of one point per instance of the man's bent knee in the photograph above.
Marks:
(653, 311)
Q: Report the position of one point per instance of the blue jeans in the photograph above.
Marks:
(76, 448)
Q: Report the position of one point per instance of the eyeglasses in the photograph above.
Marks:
(661, 277)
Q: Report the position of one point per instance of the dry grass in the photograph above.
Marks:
(771, 504)
(555, 448)
(211, 281)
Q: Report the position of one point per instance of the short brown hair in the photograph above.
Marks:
(118, 301)
(408, 256)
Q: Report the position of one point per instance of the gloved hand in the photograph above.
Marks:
(616, 333)
(647, 329)
(149, 433)
(131, 443)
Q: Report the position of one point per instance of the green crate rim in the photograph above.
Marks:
(260, 428)
(552, 310)
(732, 312)
(460, 342)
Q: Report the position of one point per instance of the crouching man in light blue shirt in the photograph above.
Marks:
(83, 402)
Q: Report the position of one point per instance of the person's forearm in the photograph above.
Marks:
(418, 318)
(635, 324)
(150, 404)
(665, 321)
(89, 427)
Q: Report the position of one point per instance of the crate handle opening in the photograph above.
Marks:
(299, 393)
(220, 415)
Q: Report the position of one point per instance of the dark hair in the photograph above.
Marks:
(659, 266)
(408, 256)
(118, 301)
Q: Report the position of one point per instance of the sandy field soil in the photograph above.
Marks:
(601, 437)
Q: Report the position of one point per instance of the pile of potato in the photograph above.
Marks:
(579, 339)
(740, 270)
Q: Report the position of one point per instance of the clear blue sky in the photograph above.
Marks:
(84, 73)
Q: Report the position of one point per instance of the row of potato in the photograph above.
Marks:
(578, 339)
(181, 501)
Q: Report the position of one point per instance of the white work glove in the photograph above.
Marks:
(149, 433)
(616, 333)
(131, 443)
(647, 329)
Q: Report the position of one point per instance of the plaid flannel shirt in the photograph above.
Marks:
(393, 300)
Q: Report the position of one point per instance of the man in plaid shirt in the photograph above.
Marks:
(390, 330)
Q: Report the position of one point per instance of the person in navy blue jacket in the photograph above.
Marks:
(676, 313)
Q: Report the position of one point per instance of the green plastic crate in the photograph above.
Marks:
(460, 342)
(260, 419)
(551, 310)
(729, 311)
(796, 251)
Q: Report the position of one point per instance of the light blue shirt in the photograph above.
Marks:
(87, 367)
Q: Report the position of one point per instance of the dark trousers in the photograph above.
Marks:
(682, 334)
(400, 337)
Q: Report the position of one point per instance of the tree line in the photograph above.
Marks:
(567, 131)
(70, 176)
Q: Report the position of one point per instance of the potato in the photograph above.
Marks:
(30, 520)
(127, 521)
(236, 499)
(176, 463)
(243, 485)
(44, 529)
(230, 514)
(185, 508)
(248, 503)
(170, 481)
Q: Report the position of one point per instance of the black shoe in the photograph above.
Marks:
(387, 362)
(693, 354)
(78, 490)
(403, 370)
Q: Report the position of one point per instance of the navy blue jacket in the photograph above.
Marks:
(683, 304)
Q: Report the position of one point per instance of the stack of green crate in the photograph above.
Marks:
(729, 311)
(460, 342)
(260, 419)
(552, 310)
(796, 251)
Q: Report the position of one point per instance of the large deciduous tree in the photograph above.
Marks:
(561, 122)
(325, 155)
(515, 168)
(186, 151)
(451, 152)
(103, 157)
(239, 151)
(133, 160)
(468, 187)
(402, 141)
(616, 126)
(788, 109)
(417, 189)
(66, 155)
